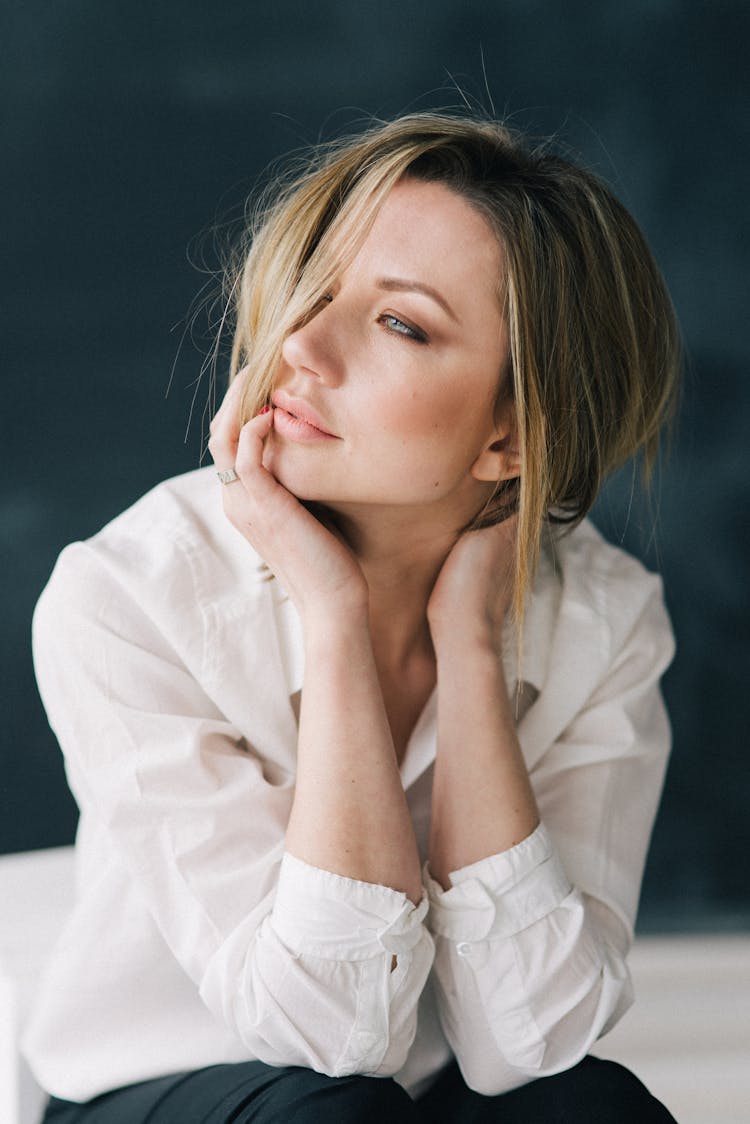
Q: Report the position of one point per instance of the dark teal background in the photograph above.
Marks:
(128, 129)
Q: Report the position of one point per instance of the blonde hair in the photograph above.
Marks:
(594, 344)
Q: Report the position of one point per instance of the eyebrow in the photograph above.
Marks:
(402, 285)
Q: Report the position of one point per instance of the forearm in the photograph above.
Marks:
(350, 814)
(482, 800)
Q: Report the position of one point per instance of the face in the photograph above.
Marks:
(386, 396)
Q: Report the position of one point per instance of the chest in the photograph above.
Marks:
(405, 697)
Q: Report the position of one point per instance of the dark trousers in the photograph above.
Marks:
(593, 1092)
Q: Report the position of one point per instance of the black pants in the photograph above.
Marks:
(593, 1092)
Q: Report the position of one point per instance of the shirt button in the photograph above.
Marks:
(463, 949)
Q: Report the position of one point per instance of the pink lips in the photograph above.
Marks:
(294, 418)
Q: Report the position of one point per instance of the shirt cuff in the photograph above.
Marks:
(500, 895)
(338, 918)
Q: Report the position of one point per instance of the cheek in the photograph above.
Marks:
(448, 427)
(430, 440)
(422, 414)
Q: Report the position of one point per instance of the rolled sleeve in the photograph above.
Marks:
(334, 917)
(323, 958)
(499, 895)
(484, 998)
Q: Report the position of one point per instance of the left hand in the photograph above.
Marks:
(474, 588)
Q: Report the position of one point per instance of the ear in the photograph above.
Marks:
(500, 458)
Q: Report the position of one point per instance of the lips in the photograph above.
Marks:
(300, 410)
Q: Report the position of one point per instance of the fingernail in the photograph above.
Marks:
(264, 410)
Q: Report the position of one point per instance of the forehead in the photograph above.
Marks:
(427, 232)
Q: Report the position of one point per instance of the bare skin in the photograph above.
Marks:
(395, 600)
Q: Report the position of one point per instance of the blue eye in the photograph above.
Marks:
(399, 328)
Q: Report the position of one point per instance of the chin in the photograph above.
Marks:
(298, 474)
(296, 481)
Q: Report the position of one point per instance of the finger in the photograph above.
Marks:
(230, 401)
(259, 499)
(251, 484)
(225, 427)
(248, 452)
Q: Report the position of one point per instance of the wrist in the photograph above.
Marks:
(464, 640)
(326, 624)
(347, 604)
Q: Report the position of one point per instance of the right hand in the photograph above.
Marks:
(315, 566)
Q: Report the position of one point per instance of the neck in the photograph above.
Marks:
(401, 555)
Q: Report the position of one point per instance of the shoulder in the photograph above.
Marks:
(181, 515)
(597, 573)
(169, 555)
(593, 605)
(604, 583)
(598, 639)
(178, 518)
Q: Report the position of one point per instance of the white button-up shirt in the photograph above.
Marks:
(170, 667)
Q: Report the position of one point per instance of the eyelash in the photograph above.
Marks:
(416, 335)
(413, 334)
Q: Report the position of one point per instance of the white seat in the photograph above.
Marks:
(687, 1037)
(688, 1034)
(37, 893)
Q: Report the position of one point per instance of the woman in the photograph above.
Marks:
(410, 887)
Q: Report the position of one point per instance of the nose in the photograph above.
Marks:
(314, 348)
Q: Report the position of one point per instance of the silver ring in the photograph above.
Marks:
(227, 476)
